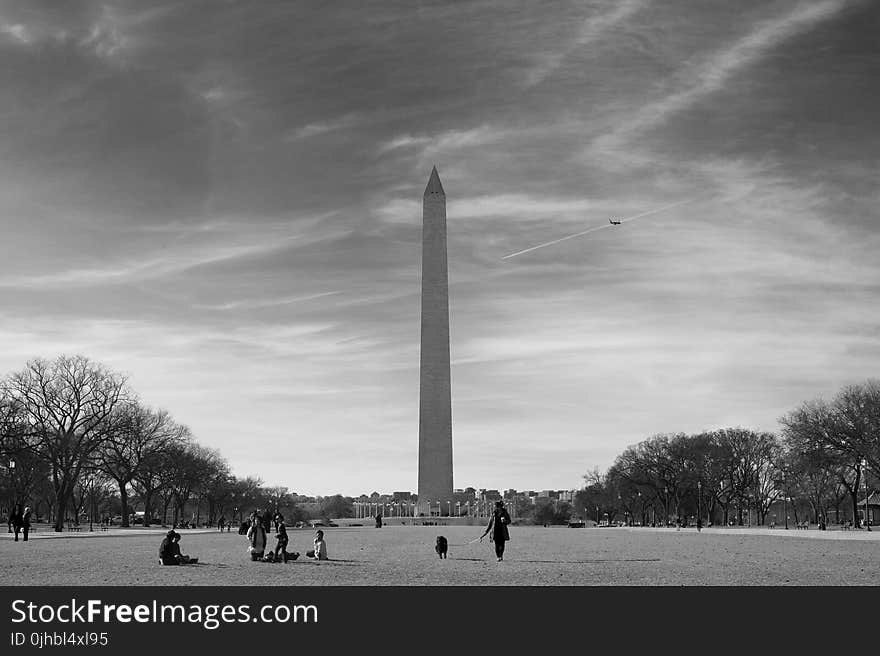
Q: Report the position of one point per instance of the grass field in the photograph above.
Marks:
(404, 555)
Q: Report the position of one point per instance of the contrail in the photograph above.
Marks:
(601, 227)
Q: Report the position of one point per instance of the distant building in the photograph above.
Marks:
(490, 495)
(873, 509)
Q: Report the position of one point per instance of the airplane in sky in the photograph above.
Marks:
(613, 222)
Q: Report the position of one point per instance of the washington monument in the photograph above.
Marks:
(435, 396)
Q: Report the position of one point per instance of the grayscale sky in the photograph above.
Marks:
(223, 201)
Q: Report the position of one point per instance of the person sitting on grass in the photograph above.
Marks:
(320, 550)
(169, 551)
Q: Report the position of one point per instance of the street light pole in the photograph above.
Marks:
(699, 504)
(666, 504)
(785, 502)
(865, 475)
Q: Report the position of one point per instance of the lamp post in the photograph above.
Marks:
(641, 509)
(785, 502)
(666, 504)
(699, 504)
(865, 474)
(597, 515)
(449, 509)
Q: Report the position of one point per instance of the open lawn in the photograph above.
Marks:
(404, 555)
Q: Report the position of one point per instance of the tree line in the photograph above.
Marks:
(77, 441)
(824, 459)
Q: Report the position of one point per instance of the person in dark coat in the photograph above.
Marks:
(15, 520)
(168, 550)
(498, 526)
(281, 555)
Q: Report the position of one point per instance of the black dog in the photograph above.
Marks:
(441, 547)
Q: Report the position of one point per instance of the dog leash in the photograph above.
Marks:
(465, 544)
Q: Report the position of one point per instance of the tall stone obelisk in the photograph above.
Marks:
(435, 394)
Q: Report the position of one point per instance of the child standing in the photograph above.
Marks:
(281, 555)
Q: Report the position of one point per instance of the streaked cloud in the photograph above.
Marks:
(16, 32)
(697, 80)
(266, 303)
(594, 28)
(446, 141)
(323, 127)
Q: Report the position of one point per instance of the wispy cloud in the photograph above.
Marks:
(523, 207)
(711, 76)
(445, 141)
(17, 32)
(593, 28)
(253, 304)
(323, 127)
(157, 266)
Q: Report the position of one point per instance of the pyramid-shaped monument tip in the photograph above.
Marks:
(434, 186)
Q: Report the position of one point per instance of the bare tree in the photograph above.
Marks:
(137, 434)
(843, 432)
(68, 406)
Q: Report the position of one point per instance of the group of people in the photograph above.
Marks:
(170, 554)
(257, 537)
(169, 551)
(19, 521)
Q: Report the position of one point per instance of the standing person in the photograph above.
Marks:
(281, 555)
(26, 522)
(256, 535)
(277, 518)
(498, 525)
(15, 520)
(221, 522)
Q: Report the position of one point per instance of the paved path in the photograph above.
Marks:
(46, 532)
(834, 534)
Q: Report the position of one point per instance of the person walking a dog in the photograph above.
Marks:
(498, 526)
